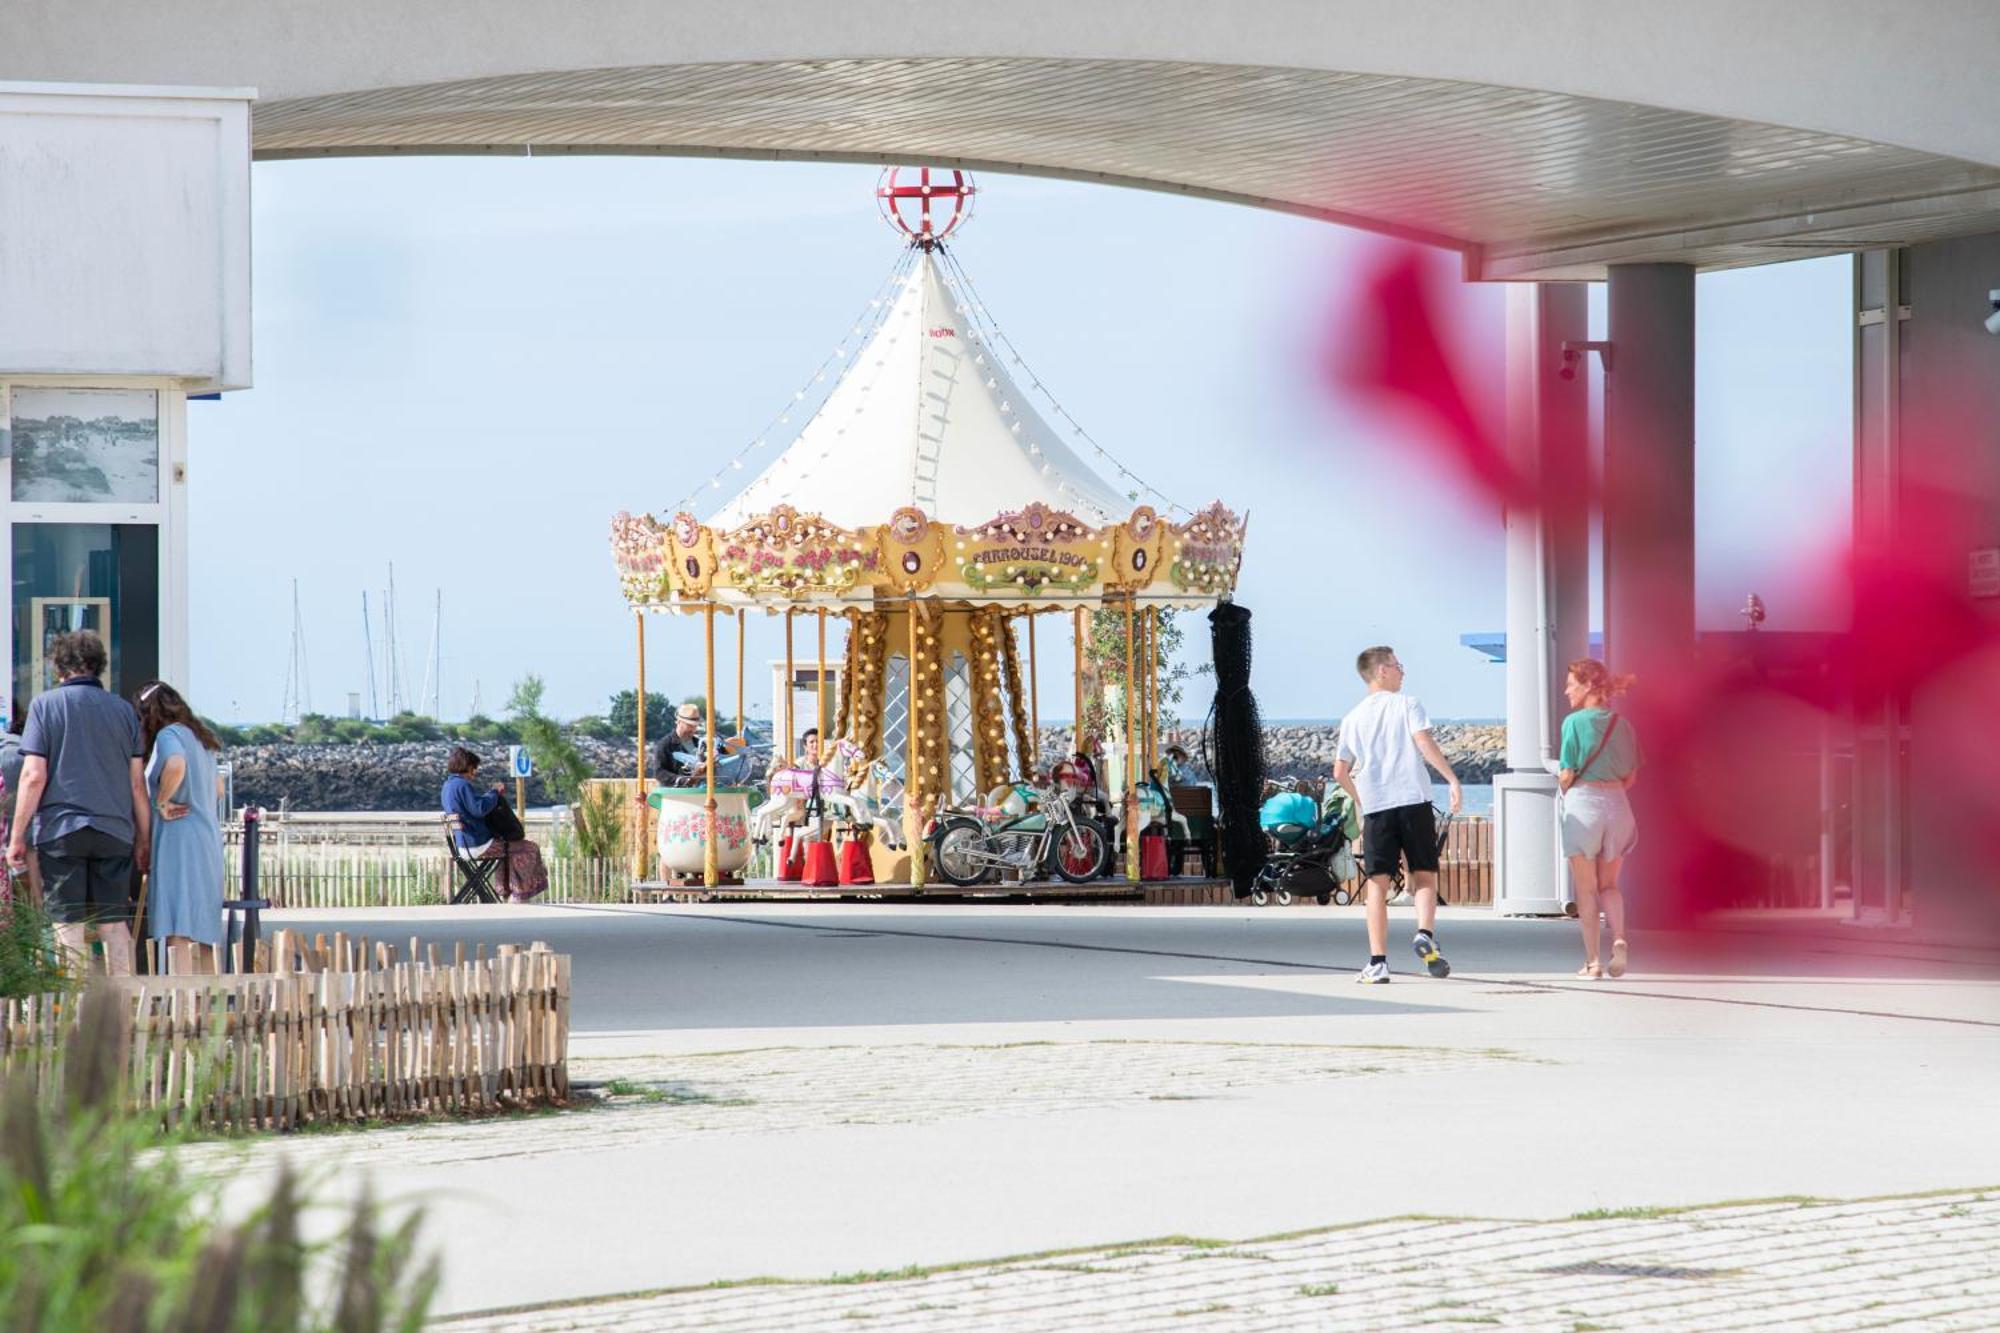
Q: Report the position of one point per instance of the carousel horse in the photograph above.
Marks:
(795, 790)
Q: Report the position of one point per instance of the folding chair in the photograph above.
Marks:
(475, 876)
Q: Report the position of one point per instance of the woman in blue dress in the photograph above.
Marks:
(184, 896)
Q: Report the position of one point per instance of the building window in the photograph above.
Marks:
(96, 576)
(86, 446)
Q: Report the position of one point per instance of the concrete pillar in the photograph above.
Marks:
(1649, 471)
(1649, 538)
(1547, 586)
(1880, 736)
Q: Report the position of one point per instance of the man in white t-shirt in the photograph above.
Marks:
(1385, 740)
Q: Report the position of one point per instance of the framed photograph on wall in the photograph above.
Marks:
(52, 616)
(85, 446)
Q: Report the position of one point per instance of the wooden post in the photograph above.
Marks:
(791, 736)
(709, 872)
(913, 820)
(820, 681)
(639, 843)
(1031, 759)
(1131, 746)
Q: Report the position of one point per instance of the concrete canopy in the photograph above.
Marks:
(1539, 139)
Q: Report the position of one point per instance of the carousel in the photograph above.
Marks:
(913, 531)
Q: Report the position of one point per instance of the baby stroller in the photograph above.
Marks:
(1310, 856)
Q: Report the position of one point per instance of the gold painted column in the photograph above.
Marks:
(709, 872)
(640, 843)
(1131, 747)
(1076, 635)
(741, 729)
(791, 734)
(1033, 760)
(913, 824)
(820, 681)
(1153, 689)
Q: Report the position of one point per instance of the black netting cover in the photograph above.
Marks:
(1238, 739)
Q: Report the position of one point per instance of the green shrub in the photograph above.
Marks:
(28, 961)
(599, 817)
(101, 1229)
(414, 726)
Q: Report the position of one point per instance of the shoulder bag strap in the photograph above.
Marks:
(1595, 751)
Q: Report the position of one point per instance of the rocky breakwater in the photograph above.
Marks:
(407, 775)
(1477, 750)
(403, 776)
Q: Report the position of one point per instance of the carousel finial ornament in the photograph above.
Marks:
(925, 205)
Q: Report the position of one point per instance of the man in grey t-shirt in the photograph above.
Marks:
(83, 803)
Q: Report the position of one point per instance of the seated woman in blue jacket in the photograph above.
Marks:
(525, 875)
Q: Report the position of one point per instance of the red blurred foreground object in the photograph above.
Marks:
(1389, 351)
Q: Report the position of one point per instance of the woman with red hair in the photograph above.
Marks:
(1600, 760)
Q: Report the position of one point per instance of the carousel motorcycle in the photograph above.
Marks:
(1310, 856)
(1032, 830)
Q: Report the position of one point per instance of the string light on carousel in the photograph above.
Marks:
(928, 510)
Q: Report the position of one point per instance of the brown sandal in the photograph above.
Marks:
(1592, 971)
(1618, 958)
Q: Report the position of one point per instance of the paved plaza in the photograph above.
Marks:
(867, 1112)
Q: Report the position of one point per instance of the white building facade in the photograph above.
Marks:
(124, 289)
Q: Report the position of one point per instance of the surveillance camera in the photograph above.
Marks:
(1993, 320)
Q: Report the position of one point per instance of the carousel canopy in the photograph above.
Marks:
(927, 416)
(927, 472)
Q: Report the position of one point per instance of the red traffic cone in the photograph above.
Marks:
(855, 867)
(1153, 857)
(819, 870)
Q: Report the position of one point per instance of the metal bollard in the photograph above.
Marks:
(249, 903)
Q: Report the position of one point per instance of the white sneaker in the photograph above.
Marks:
(1375, 974)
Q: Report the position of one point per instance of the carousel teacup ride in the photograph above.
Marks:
(682, 836)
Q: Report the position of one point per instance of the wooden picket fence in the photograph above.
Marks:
(337, 1031)
(1465, 867)
(345, 875)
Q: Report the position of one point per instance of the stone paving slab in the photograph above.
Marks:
(778, 1089)
(1921, 1262)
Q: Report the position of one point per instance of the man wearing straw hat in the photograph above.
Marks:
(679, 760)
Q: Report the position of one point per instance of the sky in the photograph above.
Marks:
(465, 366)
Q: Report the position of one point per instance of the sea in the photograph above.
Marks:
(1478, 798)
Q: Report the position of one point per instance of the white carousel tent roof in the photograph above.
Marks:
(925, 414)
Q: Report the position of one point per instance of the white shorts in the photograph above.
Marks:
(1597, 822)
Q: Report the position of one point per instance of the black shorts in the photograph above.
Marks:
(86, 878)
(1403, 834)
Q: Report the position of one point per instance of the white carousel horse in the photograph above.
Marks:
(785, 813)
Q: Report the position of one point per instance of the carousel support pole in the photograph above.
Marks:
(1076, 634)
(1153, 689)
(742, 730)
(1131, 744)
(1031, 759)
(791, 735)
(820, 681)
(709, 873)
(639, 842)
(913, 819)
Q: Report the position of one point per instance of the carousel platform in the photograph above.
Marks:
(1182, 892)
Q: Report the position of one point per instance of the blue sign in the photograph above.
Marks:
(520, 763)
